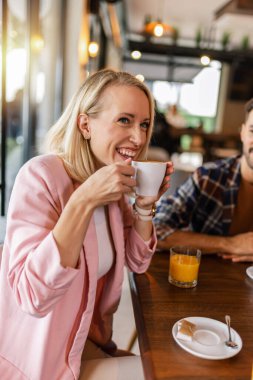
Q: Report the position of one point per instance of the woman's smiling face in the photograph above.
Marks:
(120, 130)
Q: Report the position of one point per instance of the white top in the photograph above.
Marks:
(105, 244)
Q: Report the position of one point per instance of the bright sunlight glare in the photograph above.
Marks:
(16, 68)
(198, 98)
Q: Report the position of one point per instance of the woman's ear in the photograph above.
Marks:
(83, 125)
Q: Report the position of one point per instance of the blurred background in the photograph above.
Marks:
(196, 57)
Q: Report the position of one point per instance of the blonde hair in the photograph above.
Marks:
(64, 137)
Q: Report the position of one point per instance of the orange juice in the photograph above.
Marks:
(184, 268)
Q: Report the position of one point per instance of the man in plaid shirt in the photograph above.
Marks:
(213, 209)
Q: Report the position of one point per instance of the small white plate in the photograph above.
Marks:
(249, 272)
(209, 339)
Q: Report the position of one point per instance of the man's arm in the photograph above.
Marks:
(207, 243)
(237, 248)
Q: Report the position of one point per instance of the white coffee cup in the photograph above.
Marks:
(149, 176)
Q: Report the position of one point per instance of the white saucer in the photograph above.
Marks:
(209, 339)
(249, 272)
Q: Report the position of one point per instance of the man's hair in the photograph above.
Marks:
(65, 138)
(248, 108)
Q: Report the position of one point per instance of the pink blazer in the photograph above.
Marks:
(47, 311)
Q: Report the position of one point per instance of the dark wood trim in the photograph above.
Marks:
(168, 61)
(237, 7)
(228, 56)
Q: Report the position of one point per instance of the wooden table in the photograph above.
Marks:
(223, 288)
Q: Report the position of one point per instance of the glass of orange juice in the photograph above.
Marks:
(184, 266)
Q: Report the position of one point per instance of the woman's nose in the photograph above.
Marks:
(136, 136)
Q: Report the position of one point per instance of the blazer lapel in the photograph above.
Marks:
(90, 248)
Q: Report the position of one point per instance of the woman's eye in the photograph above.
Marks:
(124, 120)
(145, 125)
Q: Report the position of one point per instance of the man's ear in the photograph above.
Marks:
(83, 125)
(242, 131)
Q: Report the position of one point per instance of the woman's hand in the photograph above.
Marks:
(146, 202)
(108, 184)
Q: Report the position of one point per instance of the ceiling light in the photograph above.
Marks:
(140, 77)
(93, 49)
(205, 60)
(136, 54)
(157, 28)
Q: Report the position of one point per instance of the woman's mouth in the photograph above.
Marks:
(126, 153)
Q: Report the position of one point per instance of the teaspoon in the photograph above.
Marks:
(229, 342)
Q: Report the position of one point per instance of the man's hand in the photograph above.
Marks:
(240, 247)
(238, 258)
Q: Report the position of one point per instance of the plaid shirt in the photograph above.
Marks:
(204, 203)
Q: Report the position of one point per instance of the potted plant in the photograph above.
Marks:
(225, 39)
(198, 37)
(245, 42)
(147, 23)
(175, 35)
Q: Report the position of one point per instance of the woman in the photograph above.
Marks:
(70, 230)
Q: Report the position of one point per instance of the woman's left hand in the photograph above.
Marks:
(146, 202)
